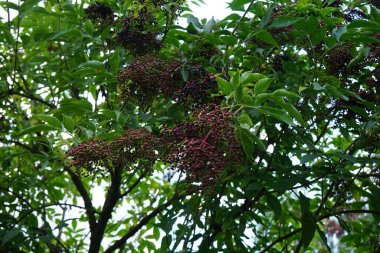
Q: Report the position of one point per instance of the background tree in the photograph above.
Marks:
(255, 133)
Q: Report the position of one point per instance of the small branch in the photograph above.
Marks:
(133, 186)
(294, 232)
(32, 97)
(134, 229)
(18, 143)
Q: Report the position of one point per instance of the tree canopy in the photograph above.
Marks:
(124, 131)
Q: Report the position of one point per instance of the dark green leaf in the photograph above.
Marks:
(281, 22)
(274, 204)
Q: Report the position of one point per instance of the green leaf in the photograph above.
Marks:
(308, 224)
(165, 243)
(308, 158)
(324, 239)
(10, 235)
(235, 79)
(245, 119)
(238, 5)
(363, 53)
(224, 86)
(317, 86)
(276, 113)
(294, 112)
(156, 233)
(8, 37)
(92, 65)
(305, 203)
(338, 32)
(274, 204)
(262, 85)
(308, 229)
(9, 5)
(246, 141)
(50, 120)
(37, 128)
(207, 28)
(67, 35)
(375, 14)
(266, 37)
(281, 22)
(249, 77)
(286, 93)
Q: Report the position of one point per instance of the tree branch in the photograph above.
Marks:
(90, 211)
(113, 195)
(134, 229)
(294, 232)
(31, 97)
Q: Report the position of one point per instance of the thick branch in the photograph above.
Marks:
(90, 211)
(113, 195)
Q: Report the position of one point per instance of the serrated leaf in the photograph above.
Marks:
(274, 204)
(281, 22)
(286, 93)
(266, 37)
(92, 65)
(317, 86)
(308, 158)
(249, 77)
(324, 239)
(308, 229)
(246, 141)
(50, 120)
(38, 128)
(276, 113)
(238, 5)
(245, 119)
(224, 86)
(207, 28)
(262, 85)
(305, 203)
(294, 113)
(10, 234)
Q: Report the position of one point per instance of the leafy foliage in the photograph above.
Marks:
(121, 129)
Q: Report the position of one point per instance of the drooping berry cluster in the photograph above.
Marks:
(99, 12)
(338, 59)
(203, 51)
(90, 156)
(375, 3)
(136, 148)
(196, 90)
(150, 76)
(343, 106)
(205, 148)
(134, 35)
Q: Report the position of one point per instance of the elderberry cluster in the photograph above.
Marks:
(150, 76)
(90, 156)
(99, 11)
(136, 148)
(195, 91)
(375, 3)
(134, 35)
(343, 105)
(205, 148)
(338, 59)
